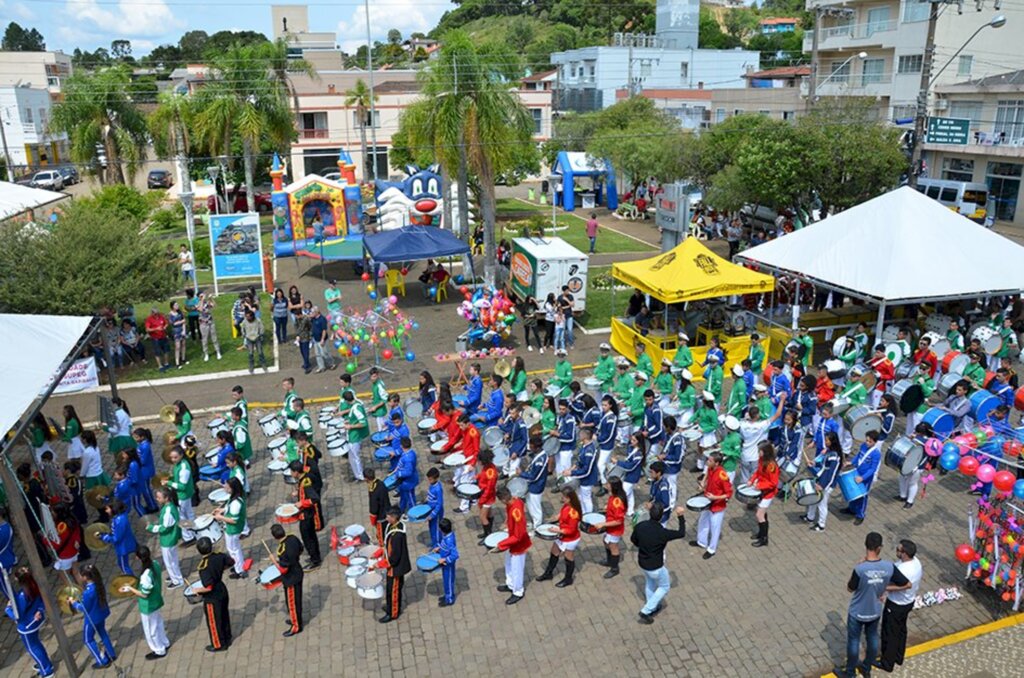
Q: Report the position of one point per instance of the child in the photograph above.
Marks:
(435, 500)
(121, 535)
(449, 553)
(76, 490)
(559, 330)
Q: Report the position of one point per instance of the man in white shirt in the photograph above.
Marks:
(898, 605)
(188, 269)
(752, 432)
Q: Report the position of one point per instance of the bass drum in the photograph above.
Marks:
(946, 384)
(909, 395)
(842, 346)
(860, 420)
(905, 455)
(939, 344)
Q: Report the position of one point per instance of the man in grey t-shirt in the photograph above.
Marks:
(870, 580)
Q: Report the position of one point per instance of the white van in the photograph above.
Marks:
(967, 198)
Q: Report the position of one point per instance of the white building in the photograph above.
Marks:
(892, 35)
(39, 70)
(25, 114)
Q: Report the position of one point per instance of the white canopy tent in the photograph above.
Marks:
(899, 248)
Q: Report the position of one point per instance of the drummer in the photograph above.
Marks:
(731, 447)
(713, 377)
(635, 405)
(885, 372)
(862, 340)
(1006, 364)
(806, 403)
(183, 482)
(955, 337)
(672, 457)
(614, 526)
(903, 338)
(924, 355)
(643, 361)
(357, 424)
(397, 430)
(805, 348)
(568, 539)
(396, 561)
(765, 479)
(380, 502)
(585, 470)
(683, 358)
(240, 434)
(911, 482)
(738, 396)
(536, 474)
(238, 395)
(492, 412)
(515, 545)
(707, 421)
(927, 386)
(487, 481)
(286, 559)
(823, 387)
(624, 381)
(215, 594)
(312, 520)
(467, 442)
(716, 486)
(566, 432)
(974, 373)
(435, 500)
(664, 384)
(1009, 346)
(959, 406)
(232, 515)
(448, 554)
(653, 426)
(826, 424)
(1000, 387)
(516, 437)
(474, 389)
(517, 380)
(826, 473)
(563, 372)
(661, 491)
(790, 441)
(288, 386)
(867, 462)
(605, 368)
(378, 399)
(755, 358)
(687, 397)
(854, 392)
(408, 476)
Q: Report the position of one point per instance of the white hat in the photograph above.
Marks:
(761, 387)
(666, 361)
(713, 357)
(737, 370)
(732, 423)
(708, 395)
(685, 374)
(621, 360)
(605, 347)
(682, 335)
(560, 351)
(642, 376)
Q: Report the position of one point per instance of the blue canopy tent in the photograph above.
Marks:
(413, 243)
(569, 165)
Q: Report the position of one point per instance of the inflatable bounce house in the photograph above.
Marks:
(415, 201)
(316, 217)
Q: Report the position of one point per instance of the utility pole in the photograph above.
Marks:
(922, 95)
(812, 85)
(7, 153)
(369, 75)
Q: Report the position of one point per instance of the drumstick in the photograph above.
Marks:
(269, 552)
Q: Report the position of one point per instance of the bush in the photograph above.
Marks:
(168, 220)
(119, 198)
(202, 250)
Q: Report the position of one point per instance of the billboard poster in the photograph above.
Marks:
(235, 245)
(80, 376)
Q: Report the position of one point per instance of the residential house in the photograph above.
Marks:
(778, 24)
(25, 115)
(38, 70)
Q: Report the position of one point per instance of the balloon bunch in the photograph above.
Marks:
(995, 556)
(489, 312)
(956, 454)
(382, 329)
(497, 352)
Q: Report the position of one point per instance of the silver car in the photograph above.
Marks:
(49, 179)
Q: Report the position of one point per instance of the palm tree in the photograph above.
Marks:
(359, 96)
(98, 111)
(242, 99)
(169, 124)
(283, 68)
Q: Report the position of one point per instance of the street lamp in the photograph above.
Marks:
(214, 171)
(998, 21)
(186, 198)
(836, 71)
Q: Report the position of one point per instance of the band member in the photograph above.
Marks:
(826, 424)
(536, 474)
(238, 394)
(927, 385)
(435, 500)
(448, 554)
(653, 428)
(707, 422)
(515, 546)
(568, 539)
(604, 369)
(660, 492)
(474, 389)
(396, 430)
(396, 560)
(765, 479)
(731, 448)
(675, 448)
(867, 462)
(232, 516)
(95, 611)
(516, 438)
(183, 482)
(633, 465)
(215, 594)
(166, 526)
(407, 475)
(490, 415)
(144, 447)
(68, 541)
(358, 426)
(738, 396)
(312, 517)
(585, 470)
(925, 358)
(467, 441)
(974, 373)
(8, 558)
(566, 437)
(488, 483)
(606, 431)
(910, 482)
(240, 434)
(1000, 387)
(26, 608)
(286, 558)
(120, 535)
(380, 502)
(288, 409)
(614, 525)
(643, 360)
(150, 602)
(959, 406)
(716, 487)
(826, 473)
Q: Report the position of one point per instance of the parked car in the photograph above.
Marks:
(238, 202)
(69, 174)
(48, 179)
(159, 178)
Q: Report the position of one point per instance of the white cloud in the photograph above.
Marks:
(408, 16)
(19, 10)
(128, 20)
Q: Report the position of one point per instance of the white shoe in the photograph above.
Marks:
(542, 351)
(529, 348)
(218, 356)
(206, 357)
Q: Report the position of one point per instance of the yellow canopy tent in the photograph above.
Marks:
(688, 272)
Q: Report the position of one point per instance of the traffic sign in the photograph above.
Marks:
(952, 131)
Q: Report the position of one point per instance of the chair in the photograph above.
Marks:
(394, 280)
(442, 289)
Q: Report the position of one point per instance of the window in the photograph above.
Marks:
(537, 114)
(1003, 179)
(684, 70)
(915, 10)
(314, 125)
(366, 120)
(764, 112)
(1010, 119)
(957, 169)
(873, 71)
(789, 115)
(737, 111)
(910, 63)
(967, 110)
(27, 115)
(904, 111)
(645, 69)
(379, 157)
(964, 65)
(948, 195)
(52, 81)
(878, 20)
(840, 71)
(719, 115)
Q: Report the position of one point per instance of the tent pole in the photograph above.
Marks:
(796, 307)
(879, 324)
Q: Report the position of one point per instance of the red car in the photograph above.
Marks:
(216, 203)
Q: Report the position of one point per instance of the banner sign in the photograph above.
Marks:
(82, 375)
(235, 245)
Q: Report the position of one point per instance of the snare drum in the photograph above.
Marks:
(493, 436)
(905, 455)
(553, 390)
(206, 526)
(337, 447)
(941, 421)
(548, 531)
(345, 554)
(428, 562)
(390, 482)
(352, 573)
(909, 395)
(946, 384)
(806, 492)
(492, 540)
(691, 434)
(836, 369)
(698, 502)
(860, 420)
(590, 521)
(424, 426)
(519, 487)
(380, 439)
(212, 454)
(217, 425)
(437, 447)
(269, 578)
(336, 424)
(848, 485)
(271, 425)
(592, 384)
(209, 472)
(454, 460)
(355, 531)
(418, 513)
(370, 586)
(382, 454)
(500, 455)
(672, 410)
(278, 466)
(905, 370)
(470, 491)
(551, 445)
(615, 471)
(219, 496)
(413, 408)
(191, 593)
(567, 481)
(748, 495)
(864, 374)
(840, 405)
(287, 513)
(276, 446)
(788, 470)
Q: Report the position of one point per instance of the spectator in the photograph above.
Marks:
(279, 311)
(478, 239)
(192, 314)
(566, 302)
(592, 226)
(636, 302)
(131, 346)
(642, 322)
(733, 235)
(559, 330)
(188, 269)
(898, 606)
(549, 321)
(177, 321)
(112, 339)
(528, 312)
(321, 341)
(207, 326)
(304, 330)
(238, 315)
(252, 302)
(295, 303)
(156, 327)
(252, 334)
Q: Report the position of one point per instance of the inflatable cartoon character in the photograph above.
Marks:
(417, 200)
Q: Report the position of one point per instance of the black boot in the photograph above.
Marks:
(570, 569)
(607, 562)
(613, 569)
(487, 531)
(549, 571)
(762, 535)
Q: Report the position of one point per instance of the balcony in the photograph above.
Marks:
(314, 134)
(849, 36)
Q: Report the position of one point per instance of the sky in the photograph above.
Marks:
(88, 24)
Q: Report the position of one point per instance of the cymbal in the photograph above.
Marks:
(157, 481)
(502, 368)
(531, 416)
(167, 414)
(170, 439)
(98, 496)
(114, 587)
(65, 592)
(92, 537)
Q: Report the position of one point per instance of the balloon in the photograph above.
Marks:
(986, 472)
(949, 460)
(356, 350)
(1004, 481)
(400, 331)
(405, 271)
(393, 299)
(380, 273)
(969, 465)
(365, 276)
(373, 295)
(350, 368)
(369, 288)
(415, 326)
(933, 447)
(387, 354)
(410, 356)
(464, 290)
(432, 290)
(965, 554)
(1018, 489)
(951, 448)
(980, 437)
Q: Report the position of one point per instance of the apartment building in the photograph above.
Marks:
(25, 114)
(37, 70)
(891, 34)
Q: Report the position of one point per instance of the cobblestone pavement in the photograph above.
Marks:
(999, 654)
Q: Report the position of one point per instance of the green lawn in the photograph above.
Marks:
(231, 359)
(599, 302)
(574, 232)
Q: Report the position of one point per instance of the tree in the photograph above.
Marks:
(707, 154)
(121, 49)
(394, 36)
(17, 39)
(193, 45)
(359, 97)
(164, 57)
(94, 257)
(170, 124)
(91, 60)
(711, 35)
(283, 68)
(98, 111)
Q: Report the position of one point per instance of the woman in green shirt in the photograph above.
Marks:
(72, 433)
(665, 384)
(707, 422)
(517, 380)
(40, 435)
(548, 416)
(537, 395)
(687, 397)
(732, 447)
(151, 600)
(182, 419)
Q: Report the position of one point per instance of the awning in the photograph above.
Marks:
(690, 271)
(412, 243)
(32, 348)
